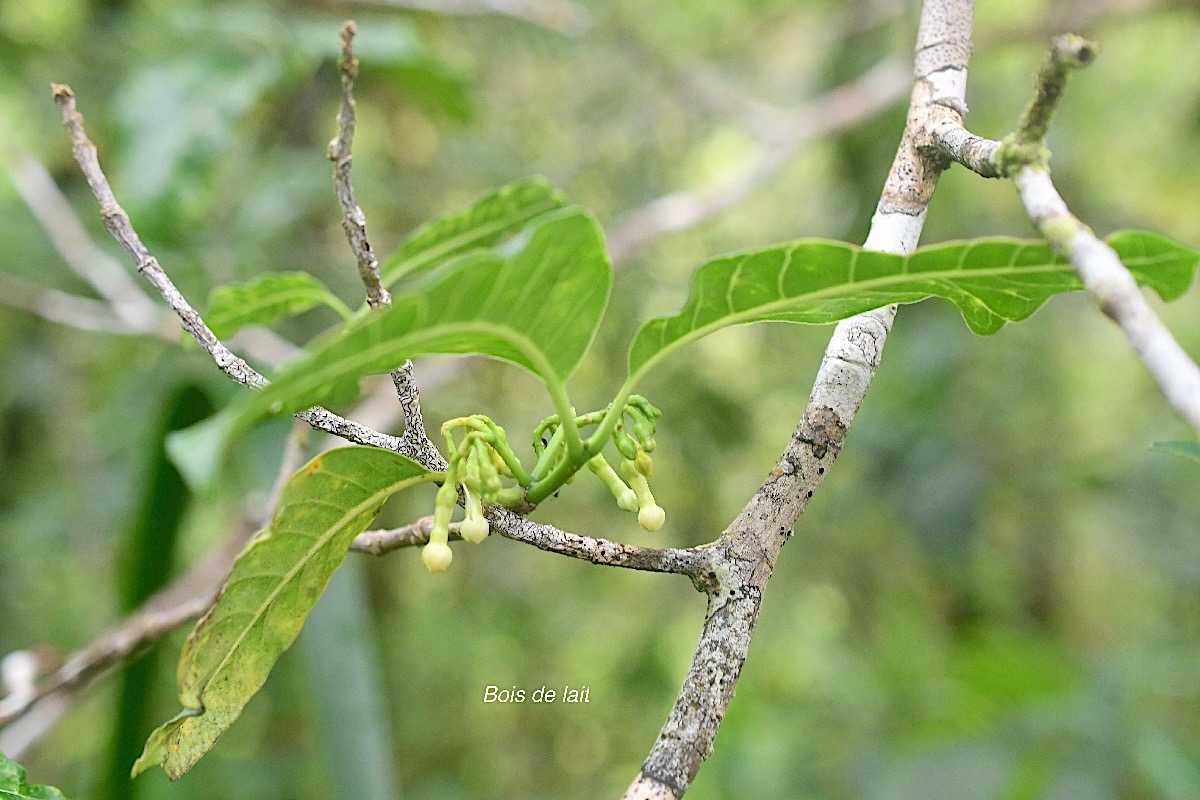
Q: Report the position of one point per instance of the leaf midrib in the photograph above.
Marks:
(523, 344)
(407, 265)
(832, 291)
(286, 578)
(258, 303)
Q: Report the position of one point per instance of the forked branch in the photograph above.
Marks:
(744, 557)
(1023, 157)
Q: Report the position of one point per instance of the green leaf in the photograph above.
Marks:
(992, 281)
(14, 787)
(266, 300)
(1188, 450)
(537, 306)
(274, 584)
(484, 223)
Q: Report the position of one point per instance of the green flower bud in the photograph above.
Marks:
(500, 464)
(625, 497)
(626, 446)
(642, 404)
(652, 517)
(445, 500)
(471, 474)
(644, 464)
(474, 528)
(436, 556)
(643, 427)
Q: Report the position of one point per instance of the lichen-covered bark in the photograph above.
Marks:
(744, 557)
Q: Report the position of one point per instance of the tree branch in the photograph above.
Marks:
(692, 562)
(64, 308)
(353, 221)
(118, 224)
(1023, 157)
(744, 556)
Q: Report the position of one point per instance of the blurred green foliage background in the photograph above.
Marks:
(996, 594)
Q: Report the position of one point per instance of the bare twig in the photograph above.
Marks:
(354, 222)
(692, 562)
(744, 557)
(560, 16)
(780, 135)
(414, 534)
(415, 437)
(118, 224)
(353, 219)
(1023, 157)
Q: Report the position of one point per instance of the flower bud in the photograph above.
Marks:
(625, 497)
(652, 517)
(436, 556)
(626, 446)
(474, 528)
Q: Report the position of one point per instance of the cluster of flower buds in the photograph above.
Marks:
(476, 466)
(634, 439)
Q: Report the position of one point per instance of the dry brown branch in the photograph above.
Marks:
(67, 309)
(184, 600)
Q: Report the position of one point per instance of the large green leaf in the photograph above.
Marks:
(992, 281)
(274, 584)
(537, 305)
(484, 223)
(14, 787)
(266, 300)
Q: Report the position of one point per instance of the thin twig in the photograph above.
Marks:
(184, 600)
(414, 534)
(744, 557)
(415, 437)
(681, 561)
(1023, 157)
(118, 224)
(353, 220)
